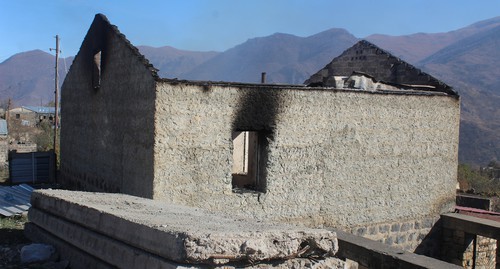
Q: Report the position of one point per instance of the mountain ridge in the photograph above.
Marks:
(422, 45)
(285, 58)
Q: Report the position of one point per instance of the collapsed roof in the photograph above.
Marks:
(380, 66)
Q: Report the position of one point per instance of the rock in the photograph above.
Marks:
(38, 253)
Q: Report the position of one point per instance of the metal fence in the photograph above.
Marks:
(33, 167)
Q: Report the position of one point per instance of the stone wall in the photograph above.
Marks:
(486, 252)
(23, 147)
(4, 149)
(421, 236)
(107, 139)
(468, 250)
(334, 158)
(4, 158)
(470, 241)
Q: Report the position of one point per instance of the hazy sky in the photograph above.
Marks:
(221, 24)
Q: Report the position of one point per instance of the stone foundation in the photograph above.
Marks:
(421, 236)
(469, 241)
(468, 250)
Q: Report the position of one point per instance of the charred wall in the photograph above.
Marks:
(107, 138)
(335, 158)
(367, 58)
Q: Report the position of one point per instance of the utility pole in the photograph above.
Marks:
(56, 103)
(7, 113)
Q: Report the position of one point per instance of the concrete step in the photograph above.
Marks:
(177, 234)
(78, 258)
(103, 248)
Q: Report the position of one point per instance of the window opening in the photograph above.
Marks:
(246, 151)
(96, 73)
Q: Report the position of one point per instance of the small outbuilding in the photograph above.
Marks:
(32, 115)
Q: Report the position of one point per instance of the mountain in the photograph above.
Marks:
(285, 58)
(173, 62)
(416, 47)
(28, 78)
(471, 66)
(466, 59)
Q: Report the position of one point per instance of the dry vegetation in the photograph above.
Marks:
(472, 180)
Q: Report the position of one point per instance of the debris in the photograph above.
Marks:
(38, 253)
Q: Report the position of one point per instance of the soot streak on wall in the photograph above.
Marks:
(257, 111)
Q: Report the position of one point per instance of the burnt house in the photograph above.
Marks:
(368, 142)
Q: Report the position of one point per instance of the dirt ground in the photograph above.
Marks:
(12, 239)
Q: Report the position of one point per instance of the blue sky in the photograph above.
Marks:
(221, 24)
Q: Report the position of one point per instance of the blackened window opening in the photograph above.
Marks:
(96, 72)
(246, 159)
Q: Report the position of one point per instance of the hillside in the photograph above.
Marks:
(28, 78)
(471, 66)
(416, 47)
(173, 62)
(285, 58)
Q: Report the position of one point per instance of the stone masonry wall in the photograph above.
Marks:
(334, 158)
(107, 139)
(458, 248)
(486, 253)
(4, 159)
(23, 148)
(421, 236)
(4, 149)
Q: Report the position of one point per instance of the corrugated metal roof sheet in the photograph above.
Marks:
(3, 127)
(15, 199)
(41, 109)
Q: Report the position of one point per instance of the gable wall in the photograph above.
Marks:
(335, 158)
(107, 133)
(367, 58)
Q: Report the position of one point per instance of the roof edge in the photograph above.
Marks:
(442, 87)
(447, 88)
(207, 84)
(101, 17)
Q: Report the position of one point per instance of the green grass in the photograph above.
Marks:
(15, 222)
(12, 230)
(12, 239)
